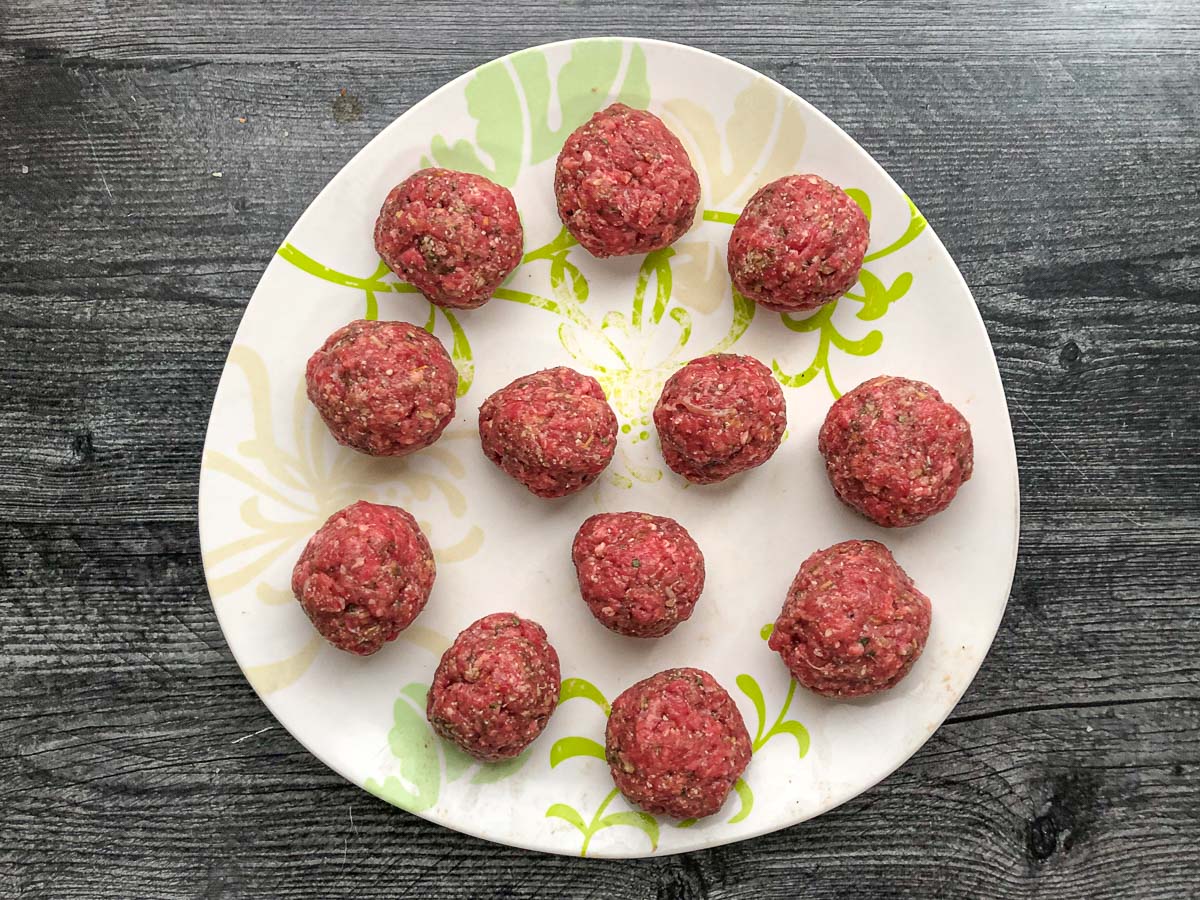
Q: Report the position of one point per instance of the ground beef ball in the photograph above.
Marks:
(895, 450)
(453, 235)
(625, 184)
(853, 623)
(639, 574)
(720, 415)
(676, 743)
(798, 244)
(364, 576)
(553, 431)
(383, 388)
(495, 688)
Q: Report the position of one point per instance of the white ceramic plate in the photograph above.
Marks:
(271, 474)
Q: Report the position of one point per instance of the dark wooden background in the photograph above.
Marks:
(1056, 148)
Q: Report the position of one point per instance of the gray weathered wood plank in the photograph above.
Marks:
(1055, 148)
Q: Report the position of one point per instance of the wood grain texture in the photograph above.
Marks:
(1056, 149)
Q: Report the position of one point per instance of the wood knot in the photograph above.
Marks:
(347, 108)
(1042, 838)
(83, 447)
(1070, 357)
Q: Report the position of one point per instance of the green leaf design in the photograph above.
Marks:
(564, 241)
(565, 277)
(783, 725)
(412, 742)
(493, 96)
(819, 364)
(583, 86)
(534, 300)
(822, 322)
(900, 286)
(797, 731)
(394, 791)
(864, 346)
(635, 90)
(748, 686)
(766, 631)
(686, 823)
(684, 320)
(493, 102)
(798, 380)
(460, 346)
(743, 314)
(816, 322)
(876, 297)
(306, 263)
(416, 692)
(567, 814)
(860, 197)
(916, 224)
(497, 771)
(460, 353)
(457, 762)
(580, 687)
(716, 215)
(634, 376)
(424, 757)
(634, 819)
(655, 264)
(572, 747)
(742, 789)
(370, 286)
(642, 821)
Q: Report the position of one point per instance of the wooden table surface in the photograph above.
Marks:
(1054, 146)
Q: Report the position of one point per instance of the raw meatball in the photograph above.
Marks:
(639, 574)
(364, 576)
(625, 184)
(676, 743)
(720, 415)
(798, 244)
(853, 623)
(553, 431)
(453, 235)
(895, 450)
(383, 388)
(495, 688)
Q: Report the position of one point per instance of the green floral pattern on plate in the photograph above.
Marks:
(498, 101)
(575, 747)
(460, 347)
(875, 298)
(521, 115)
(426, 762)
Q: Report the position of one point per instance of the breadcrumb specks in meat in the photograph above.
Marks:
(495, 687)
(624, 183)
(720, 415)
(383, 388)
(896, 451)
(798, 244)
(364, 576)
(553, 431)
(676, 743)
(455, 236)
(853, 622)
(640, 575)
